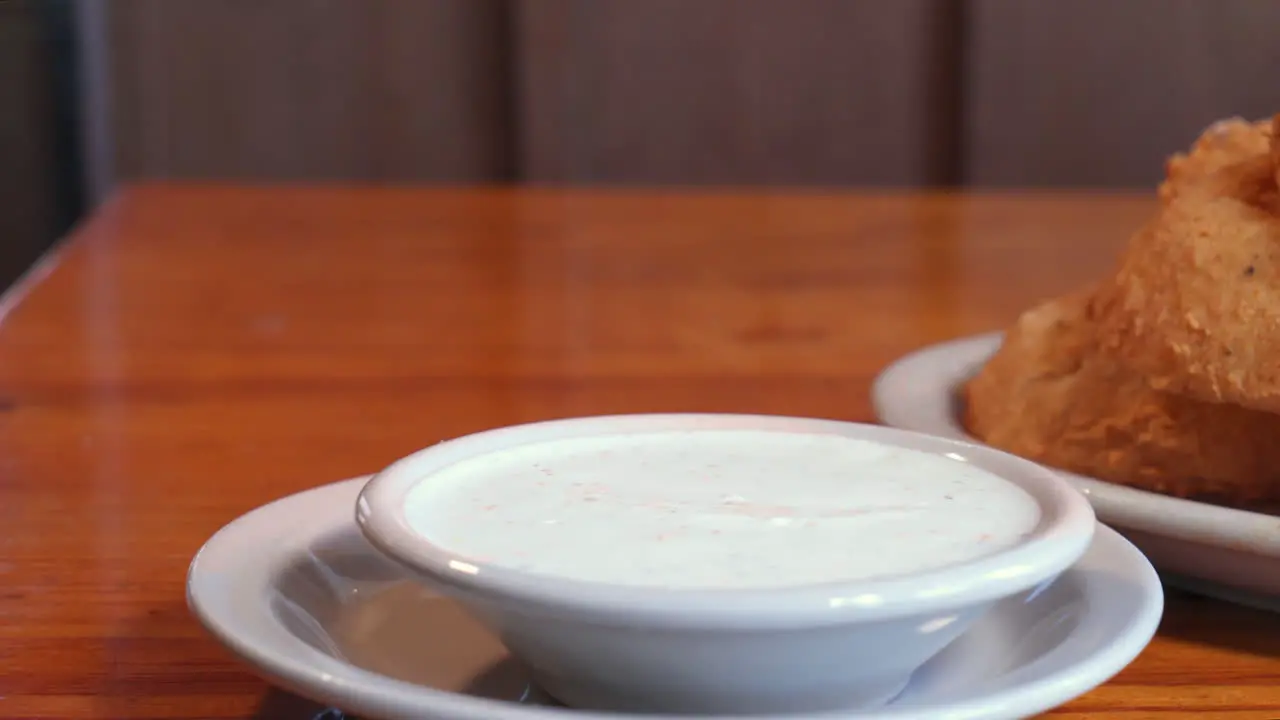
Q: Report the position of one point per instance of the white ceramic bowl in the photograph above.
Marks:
(727, 651)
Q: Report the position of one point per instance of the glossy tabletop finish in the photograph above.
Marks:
(193, 352)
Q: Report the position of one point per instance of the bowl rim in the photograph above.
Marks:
(1062, 536)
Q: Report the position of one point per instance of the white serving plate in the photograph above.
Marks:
(288, 587)
(1218, 551)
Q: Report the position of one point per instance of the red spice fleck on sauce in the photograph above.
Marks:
(488, 508)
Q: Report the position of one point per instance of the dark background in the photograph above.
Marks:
(829, 93)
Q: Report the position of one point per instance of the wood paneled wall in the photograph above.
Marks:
(362, 90)
(646, 91)
(1098, 92)
(735, 91)
(28, 152)
(809, 92)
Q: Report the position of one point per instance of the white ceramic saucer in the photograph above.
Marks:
(295, 590)
(1230, 554)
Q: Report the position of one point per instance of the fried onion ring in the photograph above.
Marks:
(1046, 395)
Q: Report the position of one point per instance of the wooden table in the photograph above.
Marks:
(193, 352)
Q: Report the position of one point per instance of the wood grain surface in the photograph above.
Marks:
(193, 352)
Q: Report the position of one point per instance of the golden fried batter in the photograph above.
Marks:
(1224, 143)
(1195, 304)
(1048, 397)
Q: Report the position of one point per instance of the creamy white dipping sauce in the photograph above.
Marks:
(718, 509)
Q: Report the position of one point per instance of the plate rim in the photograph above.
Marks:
(305, 670)
(914, 379)
(288, 525)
